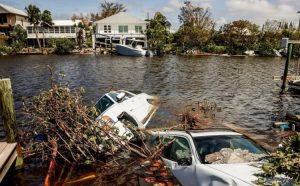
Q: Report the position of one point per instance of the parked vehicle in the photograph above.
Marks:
(211, 157)
(123, 109)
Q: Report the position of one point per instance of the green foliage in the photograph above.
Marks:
(34, 14)
(215, 49)
(158, 33)
(197, 25)
(34, 18)
(285, 161)
(240, 36)
(64, 46)
(4, 49)
(19, 36)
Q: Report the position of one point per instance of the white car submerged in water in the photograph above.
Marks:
(122, 107)
(211, 157)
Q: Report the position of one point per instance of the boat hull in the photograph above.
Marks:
(129, 51)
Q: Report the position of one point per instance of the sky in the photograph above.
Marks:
(223, 11)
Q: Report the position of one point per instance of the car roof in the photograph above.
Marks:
(202, 132)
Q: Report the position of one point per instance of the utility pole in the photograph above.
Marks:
(299, 22)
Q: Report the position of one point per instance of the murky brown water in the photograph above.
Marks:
(242, 86)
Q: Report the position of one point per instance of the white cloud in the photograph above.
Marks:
(261, 10)
(221, 21)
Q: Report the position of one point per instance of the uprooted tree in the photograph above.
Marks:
(58, 127)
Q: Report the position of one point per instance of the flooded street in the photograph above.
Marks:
(242, 87)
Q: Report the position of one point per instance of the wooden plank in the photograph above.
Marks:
(11, 154)
(294, 41)
(278, 78)
(2, 146)
(6, 153)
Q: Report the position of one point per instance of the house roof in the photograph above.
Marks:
(9, 9)
(65, 22)
(121, 17)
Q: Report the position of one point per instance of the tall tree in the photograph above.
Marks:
(158, 33)
(34, 18)
(240, 35)
(196, 25)
(109, 9)
(46, 22)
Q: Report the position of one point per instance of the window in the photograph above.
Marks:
(68, 29)
(40, 29)
(51, 30)
(138, 29)
(107, 28)
(178, 150)
(72, 29)
(211, 144)
(103, 104)
(62, 29)
(3, 19)
(30, 30)
(123, 29)
(56, 29)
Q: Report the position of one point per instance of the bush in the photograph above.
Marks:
(17, 45)
(4, 48)
(285, 161)
(64, 46)
(215, 49)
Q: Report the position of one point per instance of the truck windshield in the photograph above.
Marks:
(209, 147)
(103, 104)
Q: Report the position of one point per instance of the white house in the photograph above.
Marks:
(120, 27)
(60, 29)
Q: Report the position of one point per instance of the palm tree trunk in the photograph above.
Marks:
(37, 37)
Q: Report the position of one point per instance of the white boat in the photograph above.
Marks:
(133, 49)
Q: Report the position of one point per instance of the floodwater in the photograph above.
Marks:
(242, 87)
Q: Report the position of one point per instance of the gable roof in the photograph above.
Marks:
(121, 17)
(12, 10)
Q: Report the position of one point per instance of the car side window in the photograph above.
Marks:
(178, 150)
(103, 104)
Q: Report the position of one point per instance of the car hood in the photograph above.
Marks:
(242, 171)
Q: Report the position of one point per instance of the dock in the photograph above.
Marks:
(8, 155)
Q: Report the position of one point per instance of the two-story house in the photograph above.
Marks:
(10, 17)
(120, 28)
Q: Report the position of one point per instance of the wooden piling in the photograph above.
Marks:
(286, 69)
(7, 110)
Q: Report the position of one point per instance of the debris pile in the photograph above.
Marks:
(227, 156)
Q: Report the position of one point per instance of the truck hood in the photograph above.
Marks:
(242, 171)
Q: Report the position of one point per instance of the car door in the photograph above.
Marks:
(173, 155)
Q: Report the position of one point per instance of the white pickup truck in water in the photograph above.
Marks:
(118, 108)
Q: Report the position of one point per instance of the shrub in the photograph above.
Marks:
(4, 48)
(215, 49)
(64, 46)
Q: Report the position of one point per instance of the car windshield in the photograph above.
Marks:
(103, 104)
(227, 149)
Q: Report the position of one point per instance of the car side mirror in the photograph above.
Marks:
(120, 96)
(185, 161)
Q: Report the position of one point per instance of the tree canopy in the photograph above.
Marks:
(196, 25)
(110, 8)
(158, 33)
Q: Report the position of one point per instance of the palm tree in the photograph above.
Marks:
(46, 22)
(34, 18)
(109, 9)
